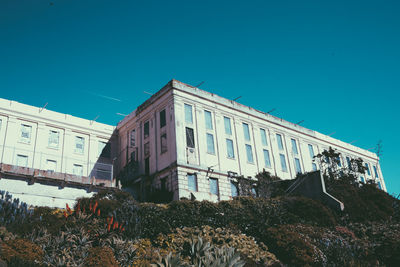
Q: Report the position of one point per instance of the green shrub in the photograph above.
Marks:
(21, 250)
(290, 246)
(100, 256)
(363, 204)
(306, 210)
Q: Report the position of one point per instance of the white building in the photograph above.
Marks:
(48, 148)
(190, 141)
(182, 139)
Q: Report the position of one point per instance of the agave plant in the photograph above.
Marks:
(204, 254)
(168, 261)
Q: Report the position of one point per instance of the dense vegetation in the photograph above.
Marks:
(112, 229)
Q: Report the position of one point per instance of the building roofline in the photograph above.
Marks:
(178, 85)
(13, 108)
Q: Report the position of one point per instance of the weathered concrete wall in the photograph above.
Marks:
(43, 195)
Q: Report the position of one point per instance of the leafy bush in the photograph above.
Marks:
(363, 204)
(101, 256)
(21, 250)
(306, 210)
(290, 246)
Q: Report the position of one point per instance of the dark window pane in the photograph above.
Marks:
(146, 131)
(189, 137)
(164, 145)
(147, 166)
(163, 120)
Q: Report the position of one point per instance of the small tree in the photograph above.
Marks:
(260, 186)
(332, 169)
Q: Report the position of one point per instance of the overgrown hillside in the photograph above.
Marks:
(115, 230)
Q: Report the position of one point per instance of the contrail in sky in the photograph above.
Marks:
(105, 97)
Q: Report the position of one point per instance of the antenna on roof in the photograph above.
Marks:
(300, 122)
(45, 105)
(353, 141)
(199, 84)
(237, 98)
(121, 114)
(91, 122)
(147, 93)
(331, 133)
(271, 110)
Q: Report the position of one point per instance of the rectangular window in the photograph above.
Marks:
(229, 149)
(22, 160)
(51, 165)
(103, 174)
(246, 132)
(297, 165)
(147, 149)
(376, 172)
(79, 144)
(208, 120)
(133, 138)
(234, 189)
(147, 166)
(263, 137)
(279, 141)
(379, 185)
(192, 182)
(339, 162)
(362, 179)
(267, 160)
(367, 166)
(26, 131)
(146, 130)
(314, 166)
(294, 147)
(283, 162)
(189, 137)
(311, 151)
(54, 138)
(348, 163)
(163, 182)
(164, 145)
(133, 156)
(249, 154)
(77, 170)
(228, 128)
(163, 119)
(214, 186)
(210, 144)
(104, 150)
(188, 114)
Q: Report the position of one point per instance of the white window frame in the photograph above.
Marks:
(54, 135)
(26, 140)
(79, 140)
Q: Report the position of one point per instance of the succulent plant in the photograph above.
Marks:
(168, 261)
(12, 211)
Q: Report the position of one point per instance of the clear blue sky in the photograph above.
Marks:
(333, 64)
